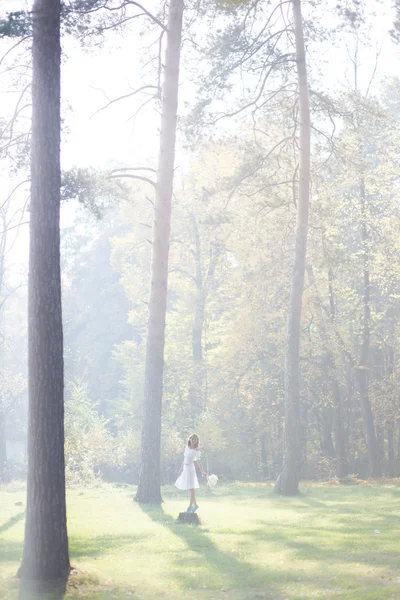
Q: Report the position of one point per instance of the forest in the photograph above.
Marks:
(199, 209)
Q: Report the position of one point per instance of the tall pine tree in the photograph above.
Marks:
(45, 556)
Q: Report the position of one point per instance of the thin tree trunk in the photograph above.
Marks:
(264, 455)
(288, 480)
(380, 442)
(342, 469)
(390, 425)
(196, 386)
(149, 480)
(196, 392)
(339, 450)
(352, 428)
(397, 463)
(304, 427)
(3, 401)
(391, 461)
(363, 371)
(340, 445)
(45, 555)
(3, 446)
(327, 447)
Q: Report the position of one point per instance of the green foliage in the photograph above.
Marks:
(95, 309)
(16, 25)
(88, 444)
(230, 264)
(93, 189)
(396, 25)
(12, 386)
(231, 249)
(83, 19)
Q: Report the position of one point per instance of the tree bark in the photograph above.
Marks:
(45, 554)
(3, 446)
(3, 401)
(327, 447)
(397, 463)
(363, 370)
(288, 480)
(196, 387)
(196, 393)
(264, 454)
(149, 480)
(342, 469)
(390, 439)
(390, 424)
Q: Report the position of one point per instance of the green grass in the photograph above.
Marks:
(251, 544)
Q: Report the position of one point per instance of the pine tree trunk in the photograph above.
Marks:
(264, 455)
(342, 469)
(380, 442)
(304, 428)
(3, 409)
(149, 480)
(390, 425)
(327, 447)
(352, 428)
(196, 386)
(391, 461)
(288, 480)
(3, 446)
(196, 392)
(45, 555)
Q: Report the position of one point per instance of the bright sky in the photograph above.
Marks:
(112, 137)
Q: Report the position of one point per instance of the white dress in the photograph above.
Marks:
(187, 480)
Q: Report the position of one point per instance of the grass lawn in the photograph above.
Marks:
(330, 542)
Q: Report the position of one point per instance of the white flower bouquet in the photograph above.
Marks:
(212, 480)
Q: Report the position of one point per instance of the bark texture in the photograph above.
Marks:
(149, 480)
(288, 480)
(203, 280)
(340, 441)
(3, 447)
(45, 555)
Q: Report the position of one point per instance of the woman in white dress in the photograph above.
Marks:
(187, 478)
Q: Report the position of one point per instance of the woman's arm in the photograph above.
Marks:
(201, 468)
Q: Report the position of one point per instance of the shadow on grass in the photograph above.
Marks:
(11, 522)
(226, 569)
(358, 500)
(354, 545)
(10, 551)
(95, 546)
(241, 492)
(34, 590)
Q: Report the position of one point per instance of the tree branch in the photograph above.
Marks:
(14, 227)
(254, 102)
(141, 89)
(2, 59)
(130, 176)
(13, 191)
(134, 169)
(177, 270)
(149, 14)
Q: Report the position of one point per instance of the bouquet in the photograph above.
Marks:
(212, 480)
